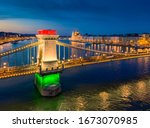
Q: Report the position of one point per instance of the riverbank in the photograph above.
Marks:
(8, 40)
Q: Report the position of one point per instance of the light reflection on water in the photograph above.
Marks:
(104, 100)
(130, 96)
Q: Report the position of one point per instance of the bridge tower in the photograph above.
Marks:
(47, 80)
(47, 54)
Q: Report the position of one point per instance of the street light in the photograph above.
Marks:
(4, 65)
(32, 58)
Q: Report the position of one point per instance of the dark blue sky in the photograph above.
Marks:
(87, 16)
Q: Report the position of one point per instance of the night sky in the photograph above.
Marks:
(87, 16)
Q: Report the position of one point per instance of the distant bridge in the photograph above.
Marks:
(14, 39)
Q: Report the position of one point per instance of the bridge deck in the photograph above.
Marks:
(31, 69)
(18, 71)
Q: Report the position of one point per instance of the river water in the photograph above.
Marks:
(120, 85)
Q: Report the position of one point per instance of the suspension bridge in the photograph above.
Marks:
(48, 56)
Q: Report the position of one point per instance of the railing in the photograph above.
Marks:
(18, 71)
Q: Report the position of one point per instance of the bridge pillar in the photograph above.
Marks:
(47, 80)
(47, 54)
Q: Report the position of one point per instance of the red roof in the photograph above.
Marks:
(47, 32)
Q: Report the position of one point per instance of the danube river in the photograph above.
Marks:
(120, 85)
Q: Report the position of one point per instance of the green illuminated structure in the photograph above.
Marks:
(47, 80)
(48, 85)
